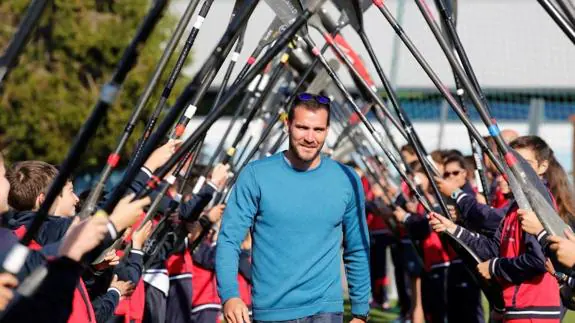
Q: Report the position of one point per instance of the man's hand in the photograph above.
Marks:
(220, 175)
(356, 320)
(483, 269)
(139, 237)
(161, 155)
(564, 248)
(529, 222)
(126, 288)
(445, 187)
(235, 311)
(7, 283)
(440, 223)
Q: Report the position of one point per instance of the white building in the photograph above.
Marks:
(511, 43)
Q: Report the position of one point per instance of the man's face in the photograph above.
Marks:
(307, 132)
(455, 174)
(4, 188)
(66, 202)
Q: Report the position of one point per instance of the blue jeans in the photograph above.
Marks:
(316, 318)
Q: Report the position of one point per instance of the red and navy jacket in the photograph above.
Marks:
(131, 308)
(375, 224)
(52, 300)
(190, 210)
(497, 198)
(205, 293)
(518, 264)
(478, 217)
(82, 310)
(52, 230)
(435, 253)
(204, 287)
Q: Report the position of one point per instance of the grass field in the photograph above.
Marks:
(378, 316)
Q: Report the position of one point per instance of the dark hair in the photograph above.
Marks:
(469, 162)
(438, 156)
(408, 148)
(539, 147)
(416, 167)
(452, 152)
(28, 179)
(470, 166)
(562, 191)
(555, 175)
(311, 105)
(455, 159)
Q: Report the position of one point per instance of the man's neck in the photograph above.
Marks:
(299, 164)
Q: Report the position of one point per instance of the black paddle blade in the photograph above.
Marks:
(353, 9)
(312, 5)
(288, 11)
(237, 7)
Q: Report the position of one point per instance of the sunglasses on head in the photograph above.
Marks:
(448, 174)
(318, 98)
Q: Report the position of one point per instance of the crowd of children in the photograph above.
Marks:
(139, 279)
(432, 281)
(170, 276)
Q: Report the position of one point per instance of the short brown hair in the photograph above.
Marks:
(311, 105)
(27, 180)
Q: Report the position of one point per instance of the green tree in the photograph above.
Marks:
(52, 90)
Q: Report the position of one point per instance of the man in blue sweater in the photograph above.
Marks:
(300, 207)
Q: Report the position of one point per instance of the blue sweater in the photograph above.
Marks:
(299, 220)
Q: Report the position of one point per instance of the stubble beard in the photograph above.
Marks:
(296, 154)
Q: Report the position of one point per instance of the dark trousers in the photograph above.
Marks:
(450, 295)
(434, 295)
(316, 318)
(378, 266)
(155, 308)
(401, 279)
(209, 315)
(179, 302)
(464, 296)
